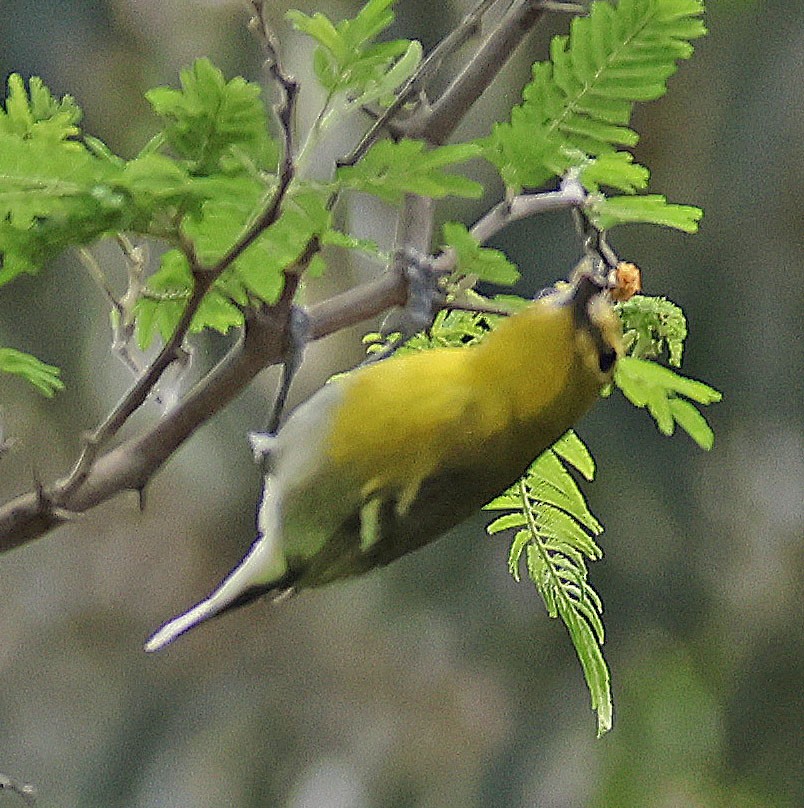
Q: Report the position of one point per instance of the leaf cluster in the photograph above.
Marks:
(59, 188)
(215, 125)
(392, 169)
(348, 58)
(653, 326)
(576, 109)
(484, 263)
(668, 397)
(201, 180)
(555, 535)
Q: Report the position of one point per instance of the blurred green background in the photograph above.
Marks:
(438, 682)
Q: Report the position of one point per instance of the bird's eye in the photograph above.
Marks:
(606, 359)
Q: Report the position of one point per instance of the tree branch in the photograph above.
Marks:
(131, 465)
(428, 68)
(97, 477)
(204, 277)
(437, 122)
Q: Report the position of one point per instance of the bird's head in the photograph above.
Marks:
(598, 327)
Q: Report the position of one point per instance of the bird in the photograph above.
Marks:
(385, 459)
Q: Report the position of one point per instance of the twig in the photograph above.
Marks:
(466, 29)
(136, 261)
(284, 111)
(571, 195)
(96, 273)
(438, 122)
(130, 465)
(476, 308)
(131, 402)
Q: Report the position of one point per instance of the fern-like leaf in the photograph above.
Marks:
(348, 60)
(484, 263)
(667, 396)
(392, 169)
(212, 122)
(555, 532)
(578, 105)
(257, 274)
(610, 211)
(35, 114)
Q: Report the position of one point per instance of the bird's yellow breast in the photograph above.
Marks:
(405, 419)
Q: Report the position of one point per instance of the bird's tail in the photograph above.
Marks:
(210, 607)
(239, 588)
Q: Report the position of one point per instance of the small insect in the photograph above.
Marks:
(625, 281)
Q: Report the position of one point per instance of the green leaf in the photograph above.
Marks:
(261, 268)
(392, 169)
(37, 115)
(257, 274)
(555, 531)
(346, 241)
(451, 328)
(52, 195)
(155, 185)
(616, 170)
(210, 119)
(380, 88)
(487, 264)
(659, 389)
(56, 195)
(652, 325)
(595, 669)
(571, 449)
(649, 209)
(692, 422)
(518, 545)
(45, 378)
(552, 484)
(348, 61)
(160, 306)
(321, 29)
(372, 19)
(578, 105)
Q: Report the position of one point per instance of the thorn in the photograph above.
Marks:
(43, 499)
(569, 8)
(63, 514)
(283, 595)
(297, 336)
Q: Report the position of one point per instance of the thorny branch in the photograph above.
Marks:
(98, 476)
(204, 278)
(438, 121)
(417, 83)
